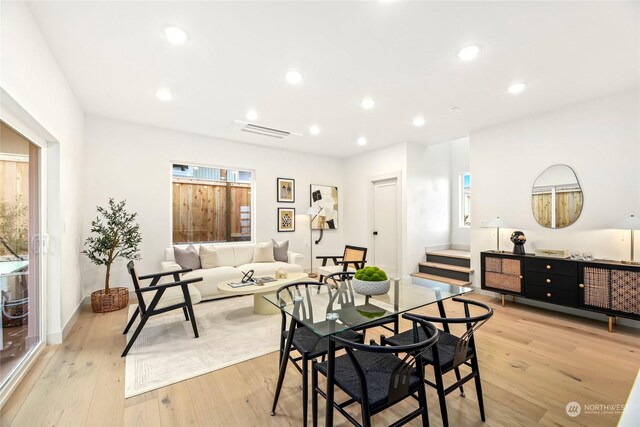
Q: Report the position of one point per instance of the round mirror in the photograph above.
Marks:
(556, 198)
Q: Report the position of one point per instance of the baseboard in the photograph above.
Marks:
(560, 309)
(59, 336)
(434, 248)
(461, 247)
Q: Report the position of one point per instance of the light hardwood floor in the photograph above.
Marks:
(533, 362)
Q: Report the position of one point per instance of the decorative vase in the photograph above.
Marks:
(518, 239)
(116, 299)
(371, 288)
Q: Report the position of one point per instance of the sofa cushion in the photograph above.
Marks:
(226, 255)
(269, 268)
(243, 253)
(209, 256)
(187, 258)
(263, 252)
(280, 250)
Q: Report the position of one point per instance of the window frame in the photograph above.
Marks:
(252, 240)
(461, 188)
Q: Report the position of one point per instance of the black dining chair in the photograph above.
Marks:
(160, 298)
(451, 352)
(345, 297)
(304, 341)
(377, 377)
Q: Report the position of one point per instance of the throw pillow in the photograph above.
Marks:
(187, 258)
(280, 250)
(209, 257)
(263, 252)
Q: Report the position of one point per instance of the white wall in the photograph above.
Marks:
(133, 162)
(31, 77)
(460, 236)
(599, 139)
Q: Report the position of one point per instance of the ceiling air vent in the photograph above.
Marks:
(264, 130)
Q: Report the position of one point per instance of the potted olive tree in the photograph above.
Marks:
(114, 234)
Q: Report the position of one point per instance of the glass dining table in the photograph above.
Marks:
(335, 309)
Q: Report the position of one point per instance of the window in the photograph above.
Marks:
(465, 200)
(211, 204)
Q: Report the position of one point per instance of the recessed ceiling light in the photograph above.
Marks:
(176, 35)
(516, 88)
(164, 95)
(314, 130)
(419, 121)
(468, 53)
(362, 141)
(252, 115)
(455, 109)
(293, 77)
(368, 103)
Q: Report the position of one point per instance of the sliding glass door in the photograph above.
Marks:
(20, 220)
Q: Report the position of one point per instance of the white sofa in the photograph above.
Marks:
(236, 259)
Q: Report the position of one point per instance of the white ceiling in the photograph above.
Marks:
(402, 54)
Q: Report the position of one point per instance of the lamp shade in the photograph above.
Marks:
(630, 222)
(312, 211)
(497, 222)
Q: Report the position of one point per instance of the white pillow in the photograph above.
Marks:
(263, 252)
(209, 257)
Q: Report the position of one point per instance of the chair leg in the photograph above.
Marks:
(422, 399)
(186, 315)
(283, 366)
(441, 397)
(457, 371)
(143, 320)
(133, 319)
(476, 369)
(305, 388)
(314, 396)
(193, 320)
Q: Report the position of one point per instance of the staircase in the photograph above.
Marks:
(447, 266)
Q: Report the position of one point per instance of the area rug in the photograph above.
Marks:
(166, 352)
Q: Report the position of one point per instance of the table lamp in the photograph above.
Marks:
(496, 223)
(631, 222)
(312, 212)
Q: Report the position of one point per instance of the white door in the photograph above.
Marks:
(385, 207)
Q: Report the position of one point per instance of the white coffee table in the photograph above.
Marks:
(261, 305)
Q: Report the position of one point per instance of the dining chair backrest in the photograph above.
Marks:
(344, 293)
(409, 359)
(473, 323)
(136, 285)
(300, 294)
(354, 256)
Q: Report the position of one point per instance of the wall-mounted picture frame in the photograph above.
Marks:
(324, 198)
(286, 190)
(286, 219)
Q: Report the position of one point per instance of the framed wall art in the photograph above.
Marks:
(286, 219)
(325, 199)
(286, 190)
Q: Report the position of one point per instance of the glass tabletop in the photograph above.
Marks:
(335, 309)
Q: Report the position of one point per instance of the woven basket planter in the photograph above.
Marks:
(371, 288)
(116, 299)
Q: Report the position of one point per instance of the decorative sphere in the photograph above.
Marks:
(518, 238)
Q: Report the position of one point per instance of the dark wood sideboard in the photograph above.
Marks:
(600, 286)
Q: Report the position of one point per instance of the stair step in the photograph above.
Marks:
(450, 267)
(435, 278)
(451, 253)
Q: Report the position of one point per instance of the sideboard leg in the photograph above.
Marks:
(502, 297)
(610, 323)
(615, 320)
(513, 298)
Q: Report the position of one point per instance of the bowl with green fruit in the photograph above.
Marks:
(371, 281)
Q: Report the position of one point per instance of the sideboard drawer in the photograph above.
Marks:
(566, 268)
(554, 281)
(552, 295)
